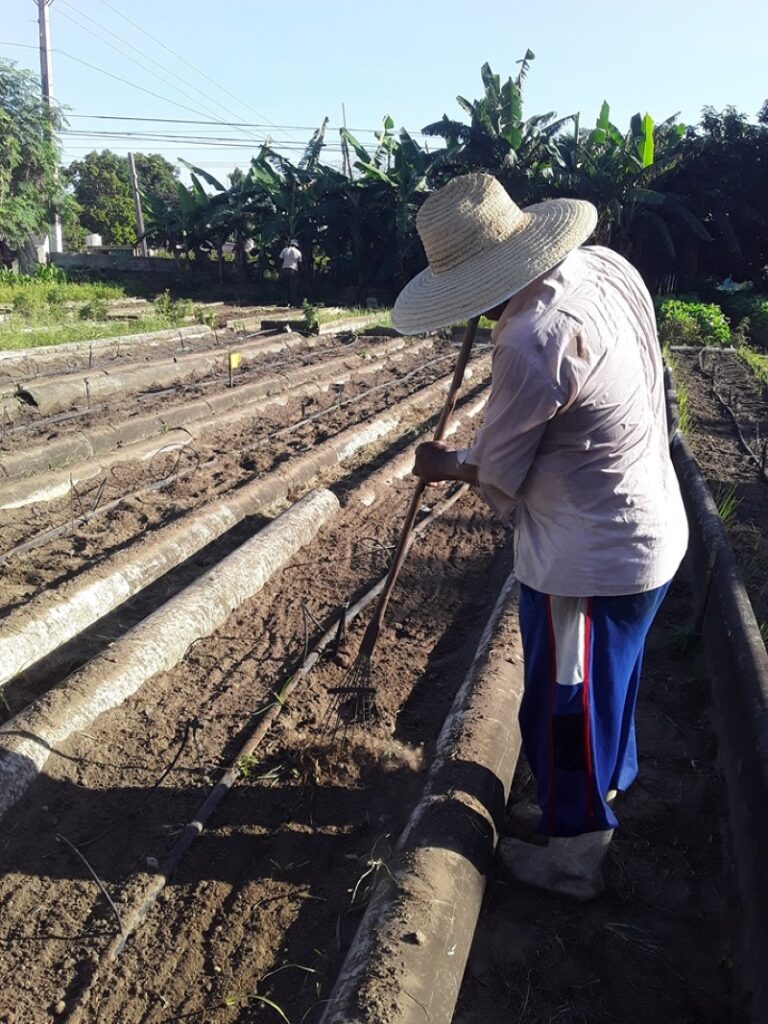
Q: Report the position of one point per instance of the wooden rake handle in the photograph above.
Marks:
(374, 626)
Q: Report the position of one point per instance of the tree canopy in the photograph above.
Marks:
(29, 157)
(101, 185)
(675, 200)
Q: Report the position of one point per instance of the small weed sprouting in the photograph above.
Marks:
(684, 414)
(96, 309)
(727, 502)
(684, 639)
(756, 361)
(205, 316)
(311, 317)
(172, 311)
(373, 864)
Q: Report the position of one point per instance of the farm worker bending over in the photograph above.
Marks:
(290, 258)
(575, 441)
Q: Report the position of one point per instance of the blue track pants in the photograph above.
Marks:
(583, 658)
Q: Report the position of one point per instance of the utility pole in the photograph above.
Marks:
(46, 79)
(137, 204)
(346, 163)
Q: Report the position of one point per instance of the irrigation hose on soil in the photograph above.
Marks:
(134, 917)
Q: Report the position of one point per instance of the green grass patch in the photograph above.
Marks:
(756, 361)
(49, 289)
(684, 412)
(16, 332)
(325, 316)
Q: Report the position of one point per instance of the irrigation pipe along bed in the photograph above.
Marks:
(103, 406)
(759, 460)
(174, 477)
(131, 920)
(103, 439)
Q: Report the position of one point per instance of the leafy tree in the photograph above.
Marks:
(29, 157)
(101, 185)
(616, 171)
(723, 177)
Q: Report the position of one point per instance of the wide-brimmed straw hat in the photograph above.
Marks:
(483, 249)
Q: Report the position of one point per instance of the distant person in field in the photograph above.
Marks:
(290, 263)
(575, 446)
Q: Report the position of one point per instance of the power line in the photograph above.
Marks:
(182, 59)
(228, 124)
(161, 78)
(117, 78)
(117, 49)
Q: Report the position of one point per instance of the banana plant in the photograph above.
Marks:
(616, 171)
(395, 180)
(498, 139)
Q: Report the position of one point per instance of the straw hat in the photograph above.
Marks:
(482, 249)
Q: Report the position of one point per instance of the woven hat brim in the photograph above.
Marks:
(553, 229)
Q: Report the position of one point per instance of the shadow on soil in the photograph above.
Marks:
(40, 677)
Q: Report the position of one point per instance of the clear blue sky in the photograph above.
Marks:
(291, 63)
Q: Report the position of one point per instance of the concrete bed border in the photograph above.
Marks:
(165, 334)
(35, 468)
(54, 617)
(156, 644)
(738, 663)
(407, 959)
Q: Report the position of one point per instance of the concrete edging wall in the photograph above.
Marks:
(408, 957)
(156, 644)
(739, 681)
(54, 617)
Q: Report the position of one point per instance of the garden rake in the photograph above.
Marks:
(354, 700)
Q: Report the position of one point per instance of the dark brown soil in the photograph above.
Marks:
(262, 909)
(270, 896)
(733, 477)
(211, 466)
(662, 943)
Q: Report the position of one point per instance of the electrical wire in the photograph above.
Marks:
(229, 124)
(204, 111)
(183, 60)
(109, 74)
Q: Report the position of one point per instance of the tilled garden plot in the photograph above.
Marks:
(257, 919)
(713, 380)
(270, 896)
(118, 803)
(221, 459)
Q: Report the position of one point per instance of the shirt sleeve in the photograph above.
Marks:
(523, 400)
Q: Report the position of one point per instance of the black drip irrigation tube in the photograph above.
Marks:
(172, 478)
(131, 920)
(102, 408)
(759, 460)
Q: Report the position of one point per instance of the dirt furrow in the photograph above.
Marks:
(282, 875)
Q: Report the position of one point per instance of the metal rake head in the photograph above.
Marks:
(353, 704)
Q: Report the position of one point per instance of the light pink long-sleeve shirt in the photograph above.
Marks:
(575, 430)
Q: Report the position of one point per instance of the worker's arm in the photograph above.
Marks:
(436, 461)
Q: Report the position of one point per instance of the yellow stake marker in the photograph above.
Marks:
(234, 363)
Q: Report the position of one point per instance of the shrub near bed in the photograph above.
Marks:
(692, 323)
(757, 326)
